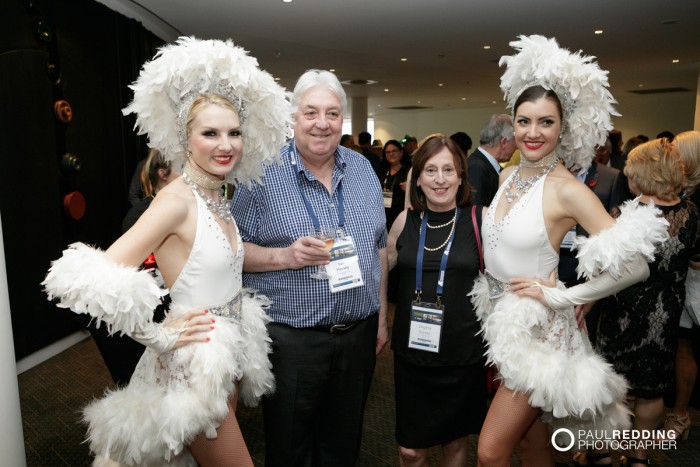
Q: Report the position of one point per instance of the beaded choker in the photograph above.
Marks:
(221, 208)
(520, 186)
(201, 178)
(544, 162)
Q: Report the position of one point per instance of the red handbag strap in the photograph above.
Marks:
(478, 239)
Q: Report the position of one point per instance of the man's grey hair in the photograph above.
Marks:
(499, 126)
(318, 79)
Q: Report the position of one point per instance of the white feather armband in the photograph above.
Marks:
(638, 230)
(88, 283)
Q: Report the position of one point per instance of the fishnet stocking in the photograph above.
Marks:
(509, 422)
(227, 450)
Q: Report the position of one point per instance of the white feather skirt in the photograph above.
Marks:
(542, 353)
(175, 396)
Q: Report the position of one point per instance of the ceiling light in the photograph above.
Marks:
(640, 85)
(464, 98)
(386, 90)
(487, 47)
(403, 59)
(287, 1)
(493, 102)
(332, 70)
(598, 31)
(277, 79)
(675, 60)
(440, 84)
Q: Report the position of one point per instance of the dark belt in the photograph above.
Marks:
(340, 328)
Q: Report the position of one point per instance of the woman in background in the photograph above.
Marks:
(686, 369)
(393, 180)
(638, 326)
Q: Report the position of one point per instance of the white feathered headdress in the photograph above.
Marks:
(168, 84)
(582, 88)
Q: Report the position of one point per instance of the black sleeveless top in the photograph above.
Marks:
(459, 343)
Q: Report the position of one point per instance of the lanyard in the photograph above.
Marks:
(309, 208)
(443, 261)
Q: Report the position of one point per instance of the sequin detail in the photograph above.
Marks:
(497, 287)
(231, 309)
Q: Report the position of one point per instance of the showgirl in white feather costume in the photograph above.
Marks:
(562, 109)
(207, 100)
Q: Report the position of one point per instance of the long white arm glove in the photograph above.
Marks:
(599, 287)
(156, 336)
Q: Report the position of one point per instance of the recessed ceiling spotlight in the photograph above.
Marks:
(419, 102)
(493, 102)
(487, 47)
(379, 105)
(440, 84)
(287, 1)
(598, 31)
(386, 90)
(332, 70)
(464, 98)
(675, 60)
(640, 85)
(404, 59)
(277, 79)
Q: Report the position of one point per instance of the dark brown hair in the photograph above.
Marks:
(536, 92)
(428, 149)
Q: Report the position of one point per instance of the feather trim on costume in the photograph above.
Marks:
(639, 229)
(175, 396)
(543, 354)
(88, 283)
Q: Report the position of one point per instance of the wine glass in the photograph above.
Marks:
(328, 238)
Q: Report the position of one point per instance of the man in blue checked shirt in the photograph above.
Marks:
(325, 332)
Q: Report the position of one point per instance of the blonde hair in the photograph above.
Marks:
(202, 101)
(656, 169)
(688, 144)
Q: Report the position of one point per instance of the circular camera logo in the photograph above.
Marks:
(564, 432)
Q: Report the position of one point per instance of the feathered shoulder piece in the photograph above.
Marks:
(582, 88)
(639, 229)
(88, 283)
(168, 84)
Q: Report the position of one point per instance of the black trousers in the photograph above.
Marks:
(314, 417)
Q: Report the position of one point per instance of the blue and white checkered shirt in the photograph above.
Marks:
(273, 214)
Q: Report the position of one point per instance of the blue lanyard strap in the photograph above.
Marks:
(443, 261)
(309, 208)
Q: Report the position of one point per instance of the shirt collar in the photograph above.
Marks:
(491, 159)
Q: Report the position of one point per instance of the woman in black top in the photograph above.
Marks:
(438, 357)
(392, 176)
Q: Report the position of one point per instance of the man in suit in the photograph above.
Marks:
(496, 145)
(608, 185)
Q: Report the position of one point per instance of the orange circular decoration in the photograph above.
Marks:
(63, 111)
(74, 205)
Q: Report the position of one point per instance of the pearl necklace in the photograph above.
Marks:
(221, 208)
(523, 186)
(441, 246)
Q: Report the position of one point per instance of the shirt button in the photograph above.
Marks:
(331, 205)
(347, 313)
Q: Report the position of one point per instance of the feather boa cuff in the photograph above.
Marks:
(88, 283)
(638, 230)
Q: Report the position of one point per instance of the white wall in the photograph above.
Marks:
(648, 115)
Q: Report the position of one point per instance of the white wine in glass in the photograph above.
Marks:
(328, 238)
